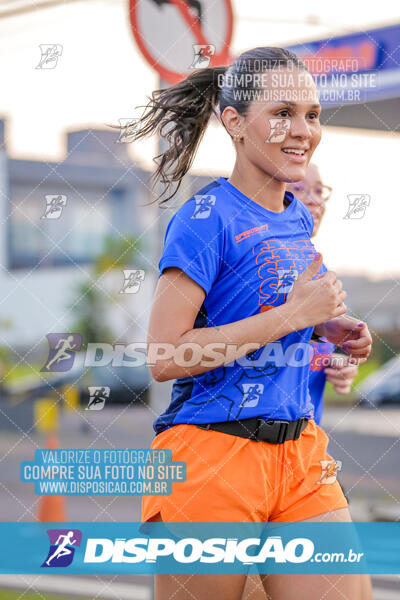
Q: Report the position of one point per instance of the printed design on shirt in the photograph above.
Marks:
(222, 402)
(204, 204)
(244, 383)
(215, 376)
(246, 234)
(319, 361)
(321, 354)
(279, 264)
(252, 366)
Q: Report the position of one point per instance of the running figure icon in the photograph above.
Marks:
(62, 549)
(63, 345)
(63, 544)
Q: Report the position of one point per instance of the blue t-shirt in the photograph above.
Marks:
(246, 258)
(321, 354)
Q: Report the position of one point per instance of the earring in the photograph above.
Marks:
(237, 137)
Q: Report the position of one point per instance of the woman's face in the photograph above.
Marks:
(281, 128)
(310, 192)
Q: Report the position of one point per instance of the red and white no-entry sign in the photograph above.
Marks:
(176, 36)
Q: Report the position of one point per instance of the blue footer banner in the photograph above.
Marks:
(144, 548)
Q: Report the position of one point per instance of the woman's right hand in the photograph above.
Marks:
(315, 301)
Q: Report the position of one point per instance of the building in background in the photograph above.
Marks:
(107, 195)
(101, 194)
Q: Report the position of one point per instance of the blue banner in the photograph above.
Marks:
(143, 548)
(355, 68)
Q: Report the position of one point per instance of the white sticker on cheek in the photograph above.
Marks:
(278, 130)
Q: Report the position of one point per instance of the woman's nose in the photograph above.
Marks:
(300, 128)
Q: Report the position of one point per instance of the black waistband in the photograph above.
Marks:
(271, 431)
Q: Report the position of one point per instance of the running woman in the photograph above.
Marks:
(325, 365)
(240, 291)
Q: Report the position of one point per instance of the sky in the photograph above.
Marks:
(101, 77)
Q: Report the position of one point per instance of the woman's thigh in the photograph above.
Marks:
(254, 589)
(319, 587)
(197, 587)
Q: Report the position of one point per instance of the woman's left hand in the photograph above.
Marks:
(348, 333)
(341, 377)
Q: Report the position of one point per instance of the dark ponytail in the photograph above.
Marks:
(180, 114)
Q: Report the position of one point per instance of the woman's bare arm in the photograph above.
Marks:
(178, 300)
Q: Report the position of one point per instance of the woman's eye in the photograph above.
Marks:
(283, 113)
(314, 116)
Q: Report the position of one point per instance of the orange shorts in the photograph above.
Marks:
(234, 479)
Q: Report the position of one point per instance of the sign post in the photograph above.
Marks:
(169, 34)
(176, 37)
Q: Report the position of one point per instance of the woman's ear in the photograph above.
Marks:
(232, 121)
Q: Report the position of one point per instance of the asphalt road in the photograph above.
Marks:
(365, 441)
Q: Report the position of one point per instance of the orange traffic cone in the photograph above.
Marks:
(52, 508)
